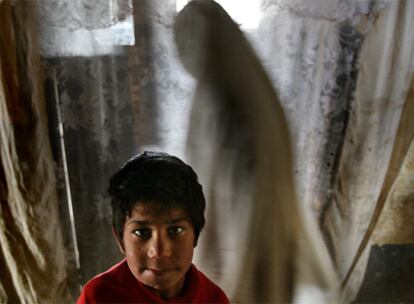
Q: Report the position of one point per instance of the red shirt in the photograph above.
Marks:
(118, 285)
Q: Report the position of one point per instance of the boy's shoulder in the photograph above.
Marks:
(207, 289)
(112, 275)
(106, 285)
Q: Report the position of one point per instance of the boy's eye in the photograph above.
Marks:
(143, 232)
(175, 230)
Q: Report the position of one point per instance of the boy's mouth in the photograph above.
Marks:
(158, 271)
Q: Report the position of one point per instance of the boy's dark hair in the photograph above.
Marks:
(156, 178)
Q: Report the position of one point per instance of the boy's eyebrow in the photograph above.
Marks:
(142, 223)
(178, 220)
(145, 223)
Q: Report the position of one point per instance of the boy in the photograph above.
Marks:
(158, 213)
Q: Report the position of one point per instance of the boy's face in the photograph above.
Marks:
(158, 245)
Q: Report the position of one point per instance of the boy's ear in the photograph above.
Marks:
(119, 241)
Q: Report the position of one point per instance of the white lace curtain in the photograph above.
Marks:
(82, 14)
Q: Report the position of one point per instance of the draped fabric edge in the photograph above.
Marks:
(403, 145)
(31, 250)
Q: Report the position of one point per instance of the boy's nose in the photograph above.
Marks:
(159, 247)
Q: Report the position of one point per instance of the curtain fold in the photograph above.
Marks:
(394, 222)
(389, 242)
(32, 254)
(372, 150)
